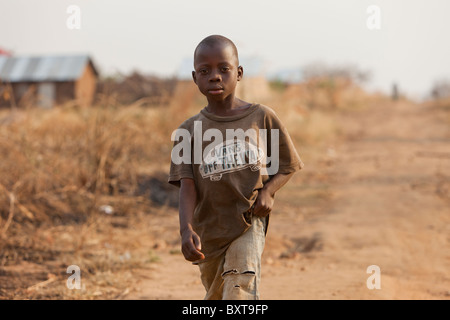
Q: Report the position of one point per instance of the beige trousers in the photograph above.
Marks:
(235, 275)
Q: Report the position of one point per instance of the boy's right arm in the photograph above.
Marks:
(190, 241)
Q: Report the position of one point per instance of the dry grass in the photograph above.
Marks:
(60, 166)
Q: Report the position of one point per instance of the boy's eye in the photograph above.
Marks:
(225, 69)
(203, 71)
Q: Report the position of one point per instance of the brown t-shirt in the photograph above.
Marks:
(229, 168)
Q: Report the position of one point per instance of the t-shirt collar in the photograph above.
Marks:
(214, 117)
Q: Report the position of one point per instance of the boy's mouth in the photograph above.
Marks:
(215, 91)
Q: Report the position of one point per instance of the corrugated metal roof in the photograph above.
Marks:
(45, 68)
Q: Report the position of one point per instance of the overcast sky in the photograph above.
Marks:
(411, 47)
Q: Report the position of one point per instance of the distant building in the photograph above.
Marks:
(47, 80)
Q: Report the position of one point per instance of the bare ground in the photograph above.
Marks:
(378, 197)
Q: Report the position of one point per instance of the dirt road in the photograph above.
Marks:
(379, 197)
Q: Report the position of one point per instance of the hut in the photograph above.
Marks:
(47, 81)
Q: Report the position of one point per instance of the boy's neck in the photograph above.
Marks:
(228, 107)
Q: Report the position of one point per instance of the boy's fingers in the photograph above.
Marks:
(256, 207)
(261, 211)
(195, 253)
(192, 254)
(197, 243)
(258, 212)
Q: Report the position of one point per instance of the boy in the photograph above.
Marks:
(227, 188)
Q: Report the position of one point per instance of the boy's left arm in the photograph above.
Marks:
(266, 195)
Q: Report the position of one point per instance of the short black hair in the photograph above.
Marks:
(216, 39)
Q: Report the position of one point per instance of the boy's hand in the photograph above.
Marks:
(266, 195)
(191, 246)
(264, 203)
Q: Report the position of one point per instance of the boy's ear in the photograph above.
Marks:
(194, 77)
(240, 73)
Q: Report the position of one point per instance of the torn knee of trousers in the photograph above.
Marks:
(250, 273)
(240, 278)
(235, 272)
(238, 283)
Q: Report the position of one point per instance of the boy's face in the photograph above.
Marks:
(216, 71)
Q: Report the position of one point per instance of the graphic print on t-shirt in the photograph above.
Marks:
(230, 156)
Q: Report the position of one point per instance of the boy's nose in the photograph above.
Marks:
(215, 76)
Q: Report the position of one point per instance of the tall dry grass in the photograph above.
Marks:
(88, 151)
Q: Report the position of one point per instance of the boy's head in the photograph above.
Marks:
(217, 40)
(216, 67)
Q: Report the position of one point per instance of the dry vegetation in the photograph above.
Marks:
(78, 185)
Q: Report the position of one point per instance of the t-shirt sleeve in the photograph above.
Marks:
(288, 158)
(180, 164)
